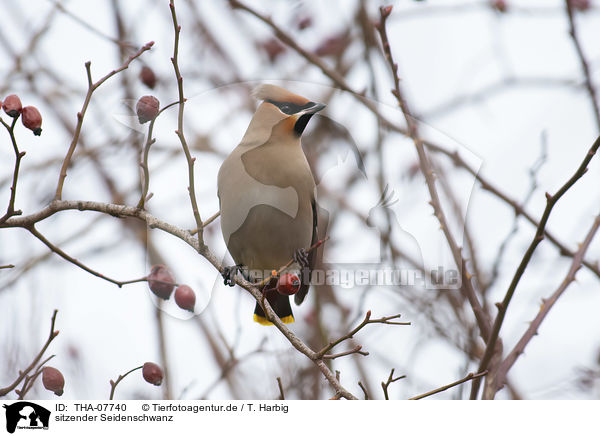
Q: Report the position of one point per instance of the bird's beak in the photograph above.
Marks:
(304, 116)
(316, 107)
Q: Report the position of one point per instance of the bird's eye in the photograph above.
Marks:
(285, 108)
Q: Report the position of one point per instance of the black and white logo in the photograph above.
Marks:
(26, 415)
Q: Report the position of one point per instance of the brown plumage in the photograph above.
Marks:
(267, 193)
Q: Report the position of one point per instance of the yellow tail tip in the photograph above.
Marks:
(264, 321)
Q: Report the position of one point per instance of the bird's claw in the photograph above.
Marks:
(229, 273)
(301, 257)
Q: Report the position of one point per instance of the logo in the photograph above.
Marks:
(26, 415)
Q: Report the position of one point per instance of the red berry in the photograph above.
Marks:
(185, 297)
(148, 77)
(152, 373)
(147, 108)
(53, 380)
(12, 106)
(161, 281)
(288, 284)
(32, 119)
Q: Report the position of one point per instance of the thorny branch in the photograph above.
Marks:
(179, 132)
(551, 201)
(426, 169)
(545, 307)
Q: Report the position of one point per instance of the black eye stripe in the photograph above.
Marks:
(290, 108)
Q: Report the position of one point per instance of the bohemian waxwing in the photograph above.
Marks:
(267, 197)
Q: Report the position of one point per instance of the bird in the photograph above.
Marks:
(267, 198)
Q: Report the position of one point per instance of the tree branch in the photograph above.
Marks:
(22, 374)
(469, 376)
(545, 308)
(80, 115)
(589, 84)
(551, 200)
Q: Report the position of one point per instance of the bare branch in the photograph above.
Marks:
(80, 115)
(545, 307)
(469, 376)
(113, 384)
(179, 132)
(22, 374)
(281, 395)
(391, 379)
(589, 84)
(551, 200)
(483, 319)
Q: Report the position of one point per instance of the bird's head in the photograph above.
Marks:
(281, 112)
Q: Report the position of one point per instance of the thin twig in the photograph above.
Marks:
(366, 394)
(385, 385)
(589, 84)
(355, 350)
(469, 376)
(186, 150)
(367, 320)
(30, 379)
(551, 200)
(144, 163)
(281, 395)
(482, 317)
(10, 211)
(22, 374)
(514, 204)
(76, 262)
(545, 307)
(92, 86)
(113, 384)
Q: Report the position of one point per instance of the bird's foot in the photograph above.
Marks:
(301, 257)
(229, 273)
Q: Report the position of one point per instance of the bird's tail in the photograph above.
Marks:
(281, 306)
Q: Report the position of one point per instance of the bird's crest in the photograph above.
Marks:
(278, 94)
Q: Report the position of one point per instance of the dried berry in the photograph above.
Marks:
(304, 22)
(148, 77)
(53, 380)
(152, 373)
(273, 48)
(147, 108)
(185, 297)
(334, 45)
(288, 284)
(500, 5)
(32, 119)
(581, 5)
(12, 106)
(161, 281)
